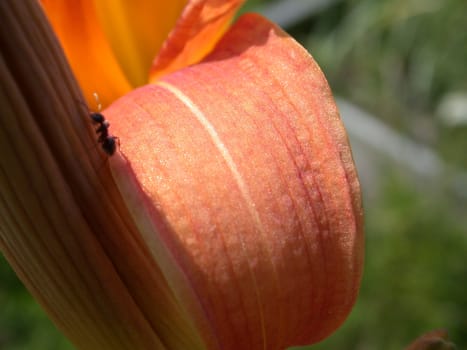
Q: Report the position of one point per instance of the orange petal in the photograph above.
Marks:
(201, 25)
(87, 49)
(136, 31)
(251, 200)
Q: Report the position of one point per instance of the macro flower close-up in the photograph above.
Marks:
(173, 177)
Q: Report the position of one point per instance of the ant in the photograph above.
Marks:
(108, 142)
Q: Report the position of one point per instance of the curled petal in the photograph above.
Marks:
(201, 25)
(252, 204)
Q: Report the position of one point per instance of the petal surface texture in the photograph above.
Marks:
(252, 202)
(202, 24)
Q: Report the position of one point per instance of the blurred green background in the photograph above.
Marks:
(404, 63)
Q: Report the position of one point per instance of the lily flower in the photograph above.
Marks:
(229, 215)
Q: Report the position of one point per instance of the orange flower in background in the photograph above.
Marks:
(231, 215)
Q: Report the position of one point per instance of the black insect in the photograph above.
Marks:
(108, 142)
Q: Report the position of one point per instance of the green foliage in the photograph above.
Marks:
(23, 324)
(399, 59)
(385, 45)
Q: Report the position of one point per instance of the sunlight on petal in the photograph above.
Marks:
(253, 203)
(201, 25)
